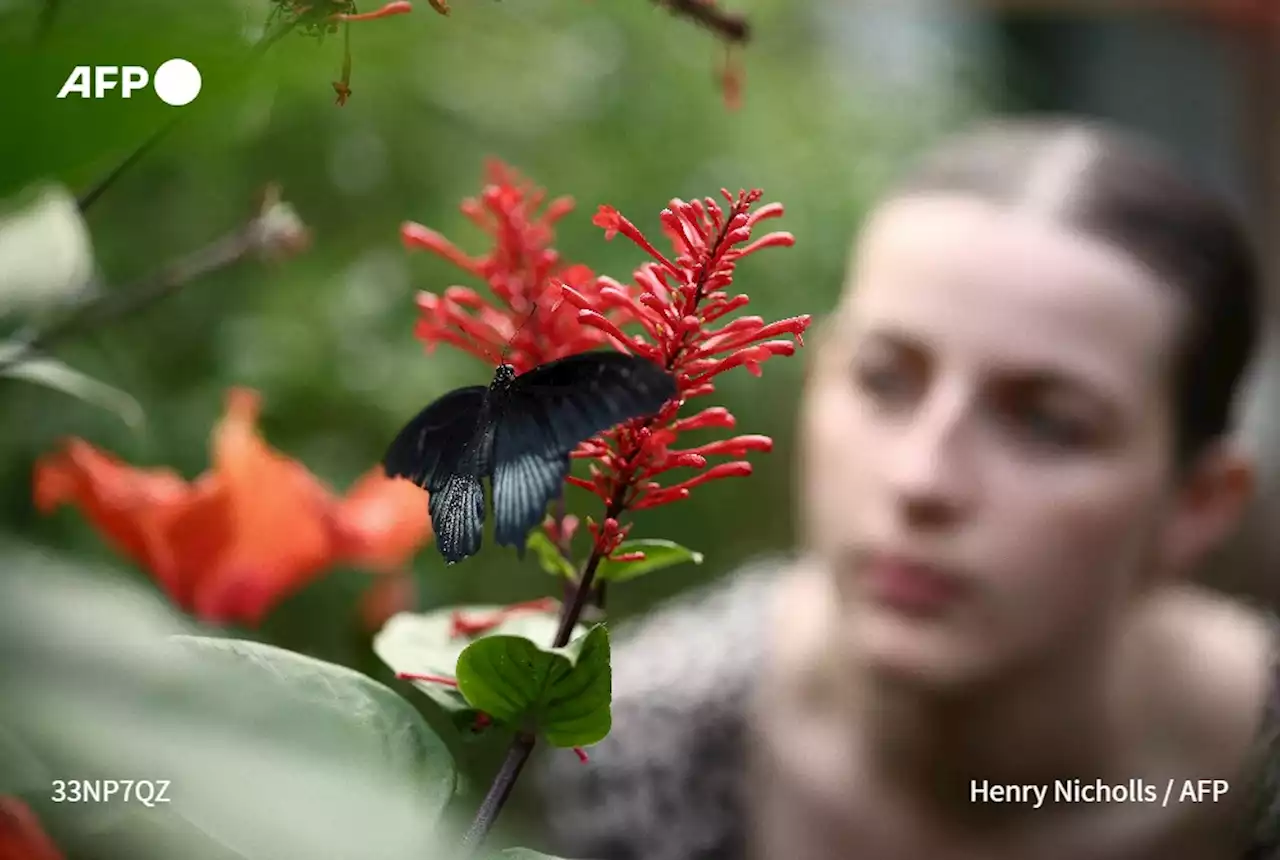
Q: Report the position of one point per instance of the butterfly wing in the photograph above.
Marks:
(548, 412)
(446, 449)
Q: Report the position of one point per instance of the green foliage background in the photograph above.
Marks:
(610, 102)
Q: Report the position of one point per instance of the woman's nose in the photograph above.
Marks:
(930, 468)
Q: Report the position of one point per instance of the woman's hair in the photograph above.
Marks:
(1122, 190)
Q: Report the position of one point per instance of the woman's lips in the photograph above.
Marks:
(912, 587)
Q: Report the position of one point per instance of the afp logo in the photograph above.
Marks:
(176, 82)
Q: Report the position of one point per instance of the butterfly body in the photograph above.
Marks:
(518, 433)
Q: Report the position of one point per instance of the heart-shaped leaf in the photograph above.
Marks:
(658, 554)
(563, 694)
(429, 644)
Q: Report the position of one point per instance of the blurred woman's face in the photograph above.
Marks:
(987, 454)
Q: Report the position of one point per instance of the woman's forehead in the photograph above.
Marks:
(1010, 284)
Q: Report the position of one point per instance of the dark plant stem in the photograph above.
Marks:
(87, 199)
(732, 28)
(503, 783)
(522, 746)
(572, 612)
(96, 190)
(256, 236)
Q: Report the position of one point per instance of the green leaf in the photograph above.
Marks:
(263, 753)
(52, 373)
(46, 253)
(424, 644)
(521, 854)
(20, 770)
(549, 555)
(362, 716)
(564, 694)
(658, 554)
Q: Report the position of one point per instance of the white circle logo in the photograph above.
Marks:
(177, 82)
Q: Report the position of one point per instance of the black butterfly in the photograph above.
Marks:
(519, 432)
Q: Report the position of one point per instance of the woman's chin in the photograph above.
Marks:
(929, 653)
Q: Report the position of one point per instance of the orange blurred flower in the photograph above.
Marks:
(21, 836)
(251, 531)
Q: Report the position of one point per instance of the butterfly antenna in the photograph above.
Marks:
(506, 349)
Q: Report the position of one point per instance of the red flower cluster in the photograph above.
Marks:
(523, 272)
(677, 303)
(248, 533)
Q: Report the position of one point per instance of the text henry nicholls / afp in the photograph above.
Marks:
(1080, 791)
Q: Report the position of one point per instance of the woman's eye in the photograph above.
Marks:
(885, 382)
(1045, 426)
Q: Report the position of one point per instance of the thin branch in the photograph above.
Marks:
(85, 200)
(705, 13)
(275, 231)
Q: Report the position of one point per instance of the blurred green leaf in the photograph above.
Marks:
(658, 554)
(563, 694)
(260, 760)
(54, 374)
(521, 854)
(363, 712)
(46, 253)
(20, 770)
(424, 644)
(549, 555)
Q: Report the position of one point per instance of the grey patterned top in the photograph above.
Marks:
(666, 783)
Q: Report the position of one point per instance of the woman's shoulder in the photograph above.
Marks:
(665, 783)
(1217, 688)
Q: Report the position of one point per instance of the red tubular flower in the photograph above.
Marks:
(523, 273)
(677, 303)
(251, 531)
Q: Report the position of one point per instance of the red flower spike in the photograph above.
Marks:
(582, 754)
(670, 312)
(525, 276)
